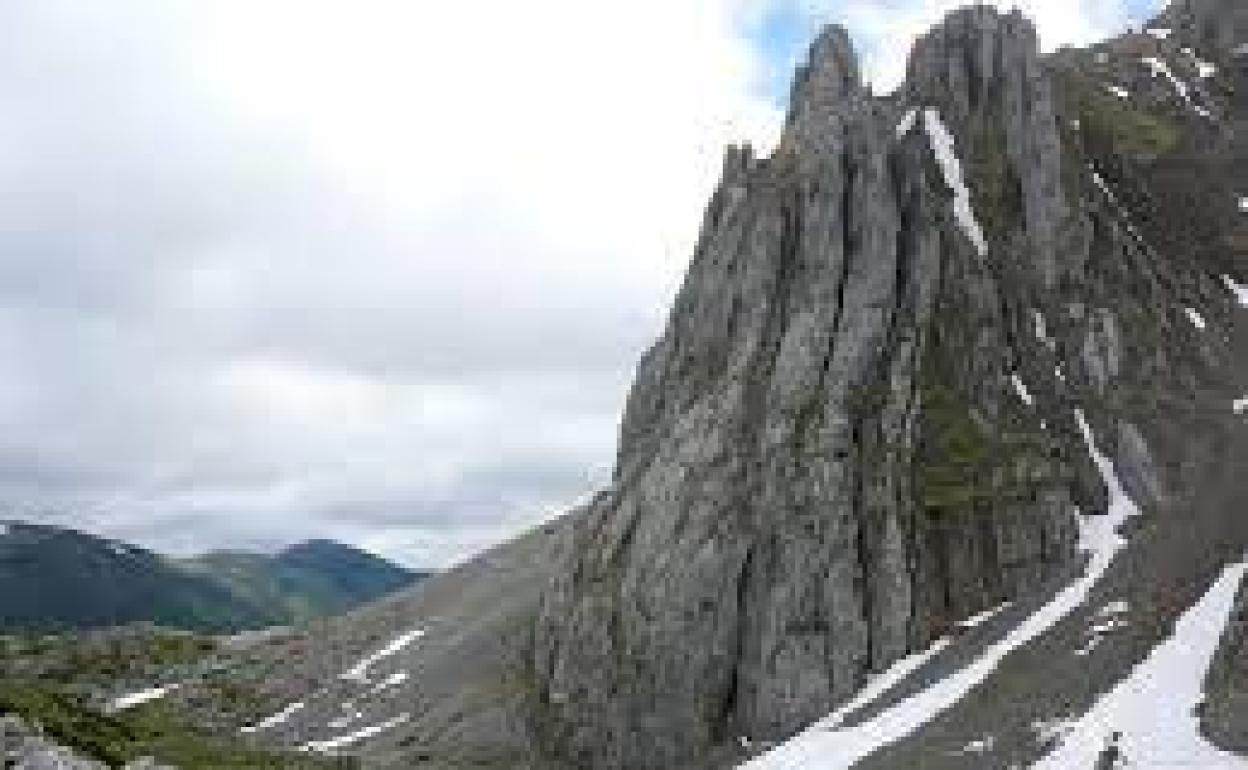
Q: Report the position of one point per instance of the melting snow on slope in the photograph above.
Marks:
(1153, 709)
(1107, 620)
(980, 745)
(882, 683)
(1197, 320)
(275, 719)
(1204, 69)
(359, 672)
(138, 698)
(394, 680)
(821, 748)
(1240, 292)
(345, 740)
(345, 719)
(1021, 390)
(983, 617)
(947, 157)
(1159, 67)
(1042, 331)
(907, 122)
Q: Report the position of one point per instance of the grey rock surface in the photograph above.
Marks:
(1225, 716)
(24, 747)
(824, 462)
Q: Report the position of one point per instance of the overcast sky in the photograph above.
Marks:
(374, 271)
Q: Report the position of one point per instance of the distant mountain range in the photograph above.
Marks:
(61, 579)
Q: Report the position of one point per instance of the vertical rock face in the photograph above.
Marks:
(826, 459)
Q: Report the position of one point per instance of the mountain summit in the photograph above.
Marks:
(938, 452)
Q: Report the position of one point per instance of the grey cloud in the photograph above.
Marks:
(149, 241)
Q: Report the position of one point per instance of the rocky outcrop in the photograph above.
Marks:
(833, 452)
(25, 747)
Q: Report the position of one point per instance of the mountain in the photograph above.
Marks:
(306, 580)
(937, 464)
(58, 579)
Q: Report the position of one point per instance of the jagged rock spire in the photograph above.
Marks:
(826, 89)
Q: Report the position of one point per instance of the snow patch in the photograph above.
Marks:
(1042, 330)
(5, 528)
(345, 740)
(980, 745)
(1118, 91)
(983, 617)
(1051, 730)
(1022, 391)
(1160, 68)
(394, 680)
(359, 672)
(1204, 69)
(344, 720)
(1116, 607)
(1107, 620)
(1240, 292)
(1122, 211)
(1197, 320)
(1153, 710)
(1243, 203)
(133, 699)
(946, 156)
(1240, 405)
(907, 122)
(824, 748)
(274, 720)
(1160, 33)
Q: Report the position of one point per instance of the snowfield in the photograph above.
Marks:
(1152, 711)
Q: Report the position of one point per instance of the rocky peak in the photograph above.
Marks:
(822, 462)
(827, 92)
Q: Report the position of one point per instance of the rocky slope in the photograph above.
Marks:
(943, 431)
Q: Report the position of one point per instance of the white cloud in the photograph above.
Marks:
(377, 270)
